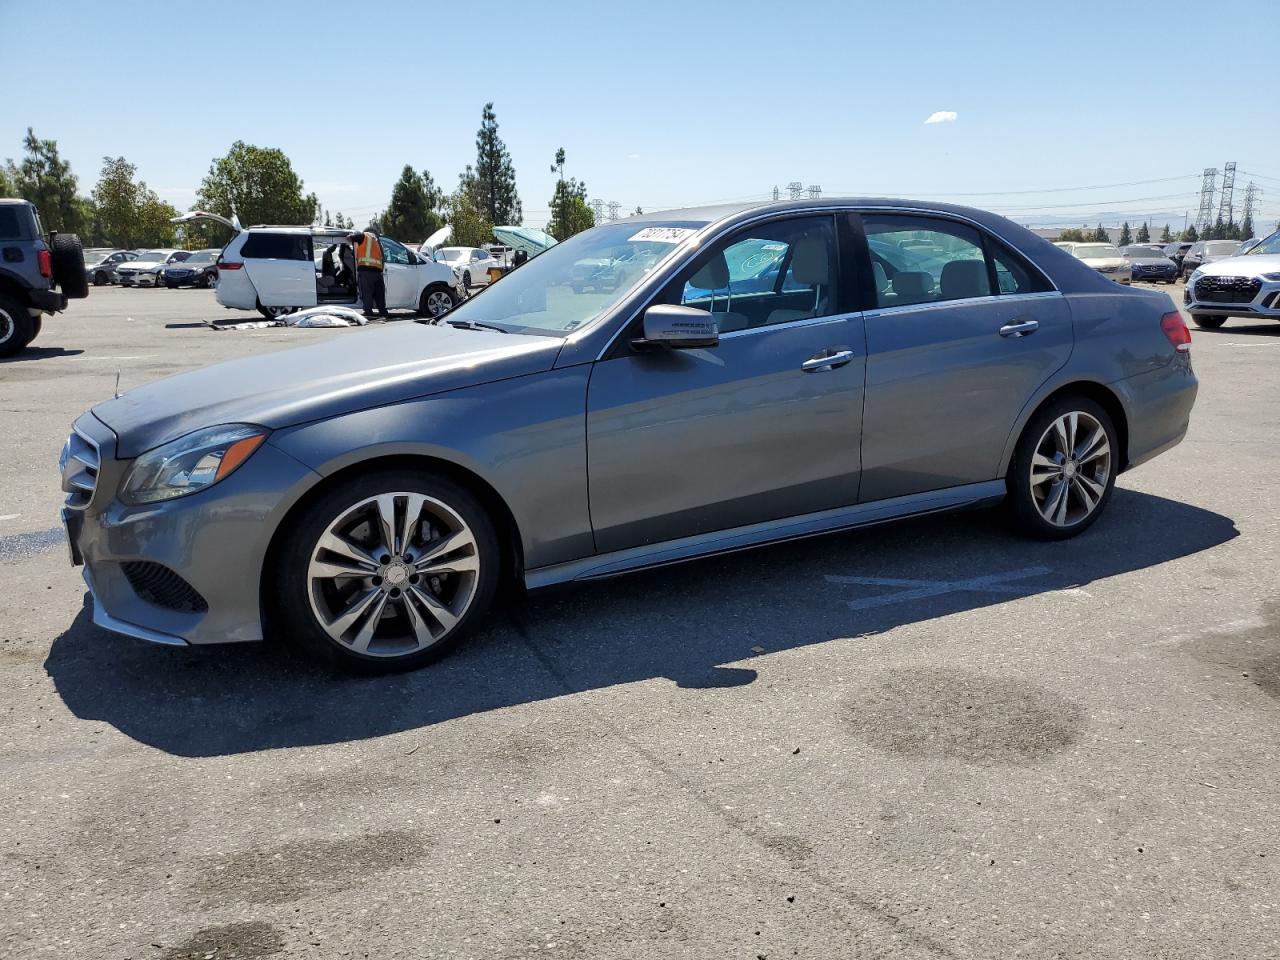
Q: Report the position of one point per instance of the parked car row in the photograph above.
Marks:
(1151, 261)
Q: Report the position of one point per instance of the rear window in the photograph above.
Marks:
(10, 223)
(277, 246)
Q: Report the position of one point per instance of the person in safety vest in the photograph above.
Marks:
(373, 287)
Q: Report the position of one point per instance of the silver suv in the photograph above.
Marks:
(1243, 286)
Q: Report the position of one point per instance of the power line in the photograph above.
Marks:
(1017, 193)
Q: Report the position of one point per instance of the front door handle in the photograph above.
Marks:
(827, 360)
(1019, 328)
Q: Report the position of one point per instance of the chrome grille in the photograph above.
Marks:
(79, 466)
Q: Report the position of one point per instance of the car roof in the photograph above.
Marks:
(724, 211)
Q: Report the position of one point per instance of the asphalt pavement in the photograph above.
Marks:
(926, 740)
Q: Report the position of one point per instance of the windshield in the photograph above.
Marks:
(1095, 251)
(451, 254)
(573, 282)
(1269, 245)
(1221, 248)
(146, 255)
(202, 256)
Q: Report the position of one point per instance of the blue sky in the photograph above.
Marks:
(665, 104)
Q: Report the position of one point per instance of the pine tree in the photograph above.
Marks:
(1100, 235)
(1166, 235)
(494, 175)
(46, 180)
(569, 211)
(1190, 234)
(1246, 228)
(1144, 234)
(468, 217)
(637, 212)
(1126, 235)
(414, 211)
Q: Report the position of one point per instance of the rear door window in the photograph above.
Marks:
(277, 246)
(924, 260)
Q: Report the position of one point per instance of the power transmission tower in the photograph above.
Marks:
(1228, 187)
(597, 210)
(613, 209)
(1251, 194)
(796, 189)
(777, 194)
(1207, 186)
(815, 191)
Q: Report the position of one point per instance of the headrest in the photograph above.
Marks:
(965, 278)
(913, 286)
(809, 262)
(882, 278)
(714, 274)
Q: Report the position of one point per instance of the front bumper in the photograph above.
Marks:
(1221, 297)
(1168, 274)
(138, 279)
(1119, 276)
(215, 540)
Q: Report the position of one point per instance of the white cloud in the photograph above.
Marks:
(942, 116)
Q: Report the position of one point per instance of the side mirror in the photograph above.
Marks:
(679, 328)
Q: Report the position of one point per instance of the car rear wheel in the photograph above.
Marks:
(1209, 321)
(388, 571)
(466, 279)
(1063, 469)
(16, 328)
(100, 279)
(276, 313)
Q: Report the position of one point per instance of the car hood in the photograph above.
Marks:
(366, 369)
(1248, 266)
(1097, 262)
(1151, 261)
(142, 265)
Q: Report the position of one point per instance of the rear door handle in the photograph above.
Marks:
(827, 360)
(1019, 328)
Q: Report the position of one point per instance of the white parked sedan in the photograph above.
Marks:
(1103, 257)
(470, 263)
(145, 270)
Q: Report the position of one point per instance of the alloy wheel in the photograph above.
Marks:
(393, 575)
(438, 303)
(1070, 469)
(8, 329)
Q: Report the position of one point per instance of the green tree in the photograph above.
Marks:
(1189, 234)
(117, 200)
(414, 211)
(154, 228)
(7, 189)
(469, 223)
(1071, 235)
(637, 212)
(1246, 228)
(569, 211)
(1100, 235)
(45, 179)
(258, 185)
(494, 175)
(1144, 234)
(1126, 234)
(1165, 235)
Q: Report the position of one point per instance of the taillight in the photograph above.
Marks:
(229, 266)
(1175, 328)
(46, 263)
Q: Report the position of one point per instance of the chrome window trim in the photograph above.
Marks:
(667, 268)
(793, 324)
(906, 308)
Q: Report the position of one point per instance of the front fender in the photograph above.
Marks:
(525, 437)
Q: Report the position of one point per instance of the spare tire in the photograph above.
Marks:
(68, 265)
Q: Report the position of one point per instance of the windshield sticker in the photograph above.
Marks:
(662, 235)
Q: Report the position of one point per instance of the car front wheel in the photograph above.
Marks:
(436, 302)
(1209, 322)
(1063, 469)
(388, 571)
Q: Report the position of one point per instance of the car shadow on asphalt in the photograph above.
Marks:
(698, 624)
(40, 353)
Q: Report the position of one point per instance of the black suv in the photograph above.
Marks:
(30, 268)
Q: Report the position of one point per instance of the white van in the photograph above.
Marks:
(277, 270)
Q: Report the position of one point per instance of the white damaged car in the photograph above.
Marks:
(278, 270)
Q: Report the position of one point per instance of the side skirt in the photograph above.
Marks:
(771, 531)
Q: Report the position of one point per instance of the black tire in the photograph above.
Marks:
(16, 328)
(100, 279)
(37, 324)
(68, 265)
(425, 303)
(1023, 505)
(466, 279)
(276, 313)
(294, 612)
(1209, 321)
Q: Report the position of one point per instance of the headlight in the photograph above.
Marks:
(190, 463)
(1195, 274)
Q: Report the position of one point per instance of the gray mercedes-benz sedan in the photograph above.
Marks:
(757, 373)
